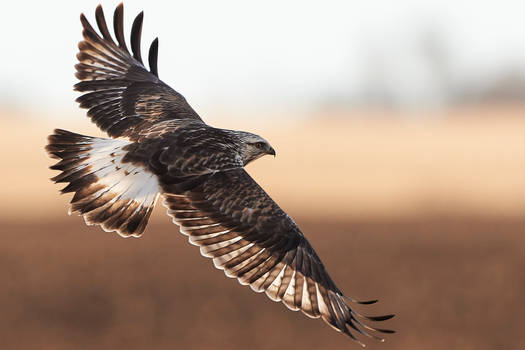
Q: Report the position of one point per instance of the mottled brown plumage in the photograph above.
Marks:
(169, 151)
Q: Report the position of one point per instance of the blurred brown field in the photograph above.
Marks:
(426, 214)
(356, 164)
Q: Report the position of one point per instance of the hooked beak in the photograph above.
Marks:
(271, 151)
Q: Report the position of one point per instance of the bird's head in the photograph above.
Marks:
(253, 147)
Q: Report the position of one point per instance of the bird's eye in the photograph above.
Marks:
(260, 145)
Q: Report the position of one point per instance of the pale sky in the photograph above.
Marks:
(267, 54)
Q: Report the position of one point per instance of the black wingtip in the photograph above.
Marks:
(101, 22)
(85, 23)
(362, 302)
(118, 26)
(380, 318)
(120, 7)
(153, 56)
(136, 32)
(381, 330)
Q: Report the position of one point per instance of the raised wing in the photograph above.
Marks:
(122, 96)
(248, 236)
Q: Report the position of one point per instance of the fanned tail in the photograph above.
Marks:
(109, 191)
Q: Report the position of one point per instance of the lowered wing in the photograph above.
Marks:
(234, 222)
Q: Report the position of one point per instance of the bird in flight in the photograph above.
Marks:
(159, 146)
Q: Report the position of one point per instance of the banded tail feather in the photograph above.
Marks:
(108, 190)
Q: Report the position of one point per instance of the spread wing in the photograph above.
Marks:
(248, 236)
(121, 95)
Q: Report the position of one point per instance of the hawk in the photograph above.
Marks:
(159, 146)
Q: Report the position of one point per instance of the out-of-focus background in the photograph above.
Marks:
(400, 137)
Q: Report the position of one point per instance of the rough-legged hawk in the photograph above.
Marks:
(160, 146)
